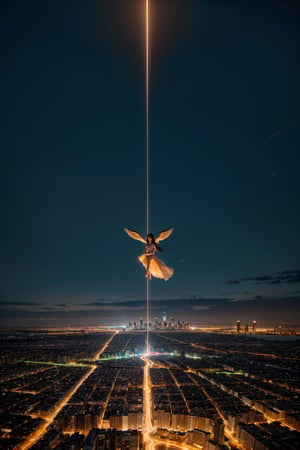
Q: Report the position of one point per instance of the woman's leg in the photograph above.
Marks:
(148, 274)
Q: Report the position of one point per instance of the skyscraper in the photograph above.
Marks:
(238, 326)
(254, 324)
(219, 431)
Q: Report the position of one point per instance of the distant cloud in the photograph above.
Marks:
(201, 308)
(193, 309)
(286, 276)
(289, 272)
(261, 278)
(193, 301)
(126, 304)
(5, 296)
(289, 276)
(18, 303)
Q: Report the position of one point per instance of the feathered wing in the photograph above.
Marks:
(164, 234)
(135, 235)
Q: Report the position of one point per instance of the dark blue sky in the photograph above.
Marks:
(224, 157)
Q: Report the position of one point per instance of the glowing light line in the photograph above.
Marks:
(147, 159)
(147, 111)
(148, 429)
(41, 430)
(148, 314)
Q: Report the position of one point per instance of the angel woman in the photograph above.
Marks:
(154, 266)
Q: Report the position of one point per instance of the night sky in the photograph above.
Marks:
(224, 160)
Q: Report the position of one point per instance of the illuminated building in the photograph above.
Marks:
(135, 421)
(128, 440)
(156, 325)
(101, 439)
(179, 422)
(180, 397)
(200, 437)
(212, 445)
(116, 422)
(254, 325)
(163, 419)
(219, 431)
(164, 317)
(191, 422)
(238, 326)
(253, 437)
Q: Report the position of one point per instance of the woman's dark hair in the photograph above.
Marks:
(153, 240)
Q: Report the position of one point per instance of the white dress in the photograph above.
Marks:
(155, 266)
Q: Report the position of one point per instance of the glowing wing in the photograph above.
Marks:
(135, 235)
(164, 234)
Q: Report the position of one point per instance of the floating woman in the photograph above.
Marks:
(154, 266)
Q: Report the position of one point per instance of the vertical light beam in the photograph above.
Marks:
(147, 157)
(147, 112)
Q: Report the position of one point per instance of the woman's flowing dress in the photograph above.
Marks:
(155, 266)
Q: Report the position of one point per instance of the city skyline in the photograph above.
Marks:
(268, 312)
